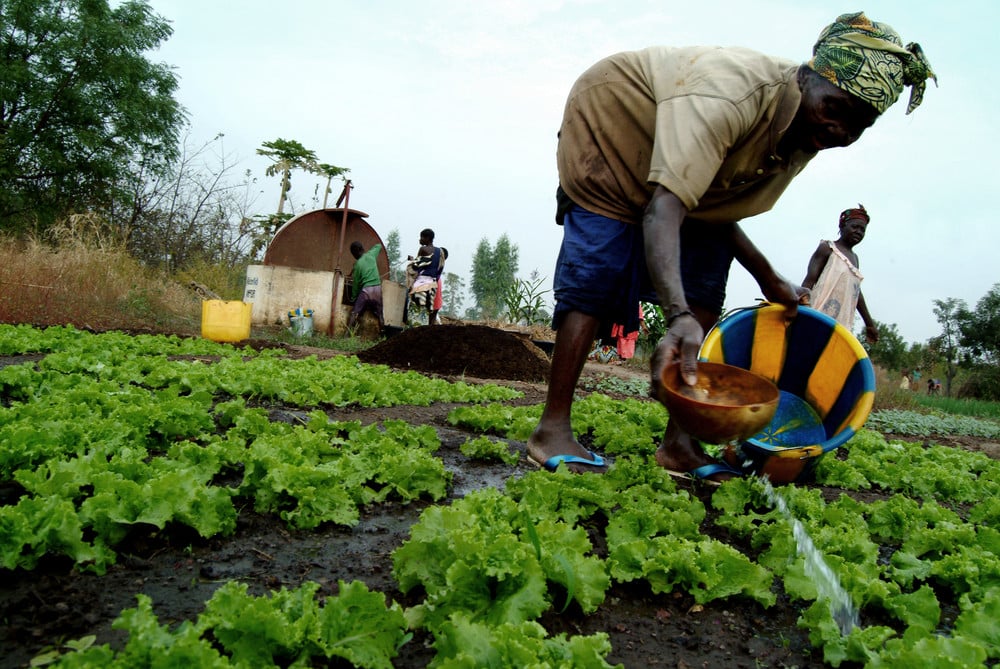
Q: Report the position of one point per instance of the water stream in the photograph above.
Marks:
(844, 613)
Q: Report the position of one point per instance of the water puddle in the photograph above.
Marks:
(844, 613)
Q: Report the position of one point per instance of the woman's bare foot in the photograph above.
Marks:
(543, 445)
(681, 454)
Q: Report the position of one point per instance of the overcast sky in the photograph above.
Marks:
(446, 113)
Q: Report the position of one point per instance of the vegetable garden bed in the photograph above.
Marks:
(179, 501)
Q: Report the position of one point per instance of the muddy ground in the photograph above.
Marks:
(180, 572)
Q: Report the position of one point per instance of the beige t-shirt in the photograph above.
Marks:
(702, 121)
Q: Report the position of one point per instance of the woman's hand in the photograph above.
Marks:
(782, 291)
(681, 343)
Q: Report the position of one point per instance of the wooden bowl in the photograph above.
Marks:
(726, 404)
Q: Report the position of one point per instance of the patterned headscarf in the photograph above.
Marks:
(860, 212)
(867, 59)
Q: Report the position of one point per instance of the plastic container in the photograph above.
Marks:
(302, 326)
(225, 320)
(826, 380)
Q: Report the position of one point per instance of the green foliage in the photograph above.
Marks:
(656, 325)
(484, 448)
(983, 383)
(625, 426)
(454, 295)
(980, 328)
(329, 171)
(463, 643)
(890, 350)
(287, 155)
(916, 424)
(948, 343)
(609, 383)
(493, 272)
(470, 558)
(524, 303)
(109, 434)
(394, 251)
(82, 105)
(934, 472)
(985, 409)
(509, 422)
(238, 629)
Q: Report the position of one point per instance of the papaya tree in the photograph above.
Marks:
(287, 155)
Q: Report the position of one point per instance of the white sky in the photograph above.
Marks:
(446, 112)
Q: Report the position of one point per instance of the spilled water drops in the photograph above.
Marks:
(827, 584)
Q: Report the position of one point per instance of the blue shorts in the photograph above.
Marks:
(601, 270)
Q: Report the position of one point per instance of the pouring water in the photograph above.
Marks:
(827, 584)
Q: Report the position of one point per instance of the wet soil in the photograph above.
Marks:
(180, 571)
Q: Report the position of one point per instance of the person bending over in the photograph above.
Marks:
(660, 153)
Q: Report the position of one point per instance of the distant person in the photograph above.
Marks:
(933, 386)
(425, 292)
(834, 276)
(904, 383)
(366, 285)
(661, 152)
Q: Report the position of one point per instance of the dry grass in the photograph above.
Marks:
(227, 282)
(90, 284)
(888, 394)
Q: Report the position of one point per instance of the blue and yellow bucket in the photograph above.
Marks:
(825, 378)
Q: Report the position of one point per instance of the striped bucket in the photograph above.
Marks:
(825, 377)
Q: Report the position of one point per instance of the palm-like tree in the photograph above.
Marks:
(287, 155)
(329, 171)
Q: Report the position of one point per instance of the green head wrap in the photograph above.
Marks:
(867, 59)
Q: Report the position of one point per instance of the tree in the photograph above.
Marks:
(493, 272)
(980, 329)
(392, 250)
(79, 105)
(890, 350)
(454, 294)
(191, 210)
(329, 171)
(287, 155)
(947, 314)
(921, 357)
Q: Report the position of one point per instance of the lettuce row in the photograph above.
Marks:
(236, 629)
(308, 474)
(924, 550)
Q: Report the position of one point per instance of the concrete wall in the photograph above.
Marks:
(275, 290)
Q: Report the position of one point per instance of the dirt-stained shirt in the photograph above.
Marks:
(704, 122)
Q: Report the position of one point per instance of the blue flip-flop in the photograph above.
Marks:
(552, 463)
(704, 473)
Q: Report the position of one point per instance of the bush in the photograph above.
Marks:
(982, 383)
